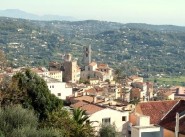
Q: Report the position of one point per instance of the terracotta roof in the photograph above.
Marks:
(93, 64)
(168, 93)
(135, 90)
(169, 121)
(155, 109)
(102, 65)
(88, 99)
(89, 108)
(91, 90)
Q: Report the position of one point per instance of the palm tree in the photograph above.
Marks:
(79, 116)
(83, 128)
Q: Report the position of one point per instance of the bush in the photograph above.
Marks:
(107, 131)
(15, 117)
(18, 122)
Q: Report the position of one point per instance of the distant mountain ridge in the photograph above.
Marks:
(16, 13)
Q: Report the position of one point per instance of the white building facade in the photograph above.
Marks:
(110, 116)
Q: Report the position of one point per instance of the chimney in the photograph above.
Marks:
(84, 93)
(177, 125)
(76, 94)
(143, 120)
(94, 99)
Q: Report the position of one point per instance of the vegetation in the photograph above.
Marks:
(107, 131)
(18, 122)
(43, 114)
(28, 89)
(84, 128)
(168, 80)
(141, 49)
(2, 60)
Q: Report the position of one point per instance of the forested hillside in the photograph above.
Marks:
(134, 48)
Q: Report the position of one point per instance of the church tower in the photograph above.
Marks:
(87, 55)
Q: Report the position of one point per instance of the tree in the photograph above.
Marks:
(18, 122)
(107, 131)
(83, 128)
(30, 90)
(2, 60)
(14, 117)
(61, 121)
(79, 116)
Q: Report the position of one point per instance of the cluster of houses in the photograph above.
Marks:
(128, 104)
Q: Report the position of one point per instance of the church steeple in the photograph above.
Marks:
(87, 55)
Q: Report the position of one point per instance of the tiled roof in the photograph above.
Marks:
(89, 108)
(91, 90)
(88, 99)
(168, 93)
(93, 64)
(102, 65)
(169, 121)
(155, 109)
(135, 90)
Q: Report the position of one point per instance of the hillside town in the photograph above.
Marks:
(135, 107)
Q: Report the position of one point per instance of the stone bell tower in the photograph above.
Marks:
(87, 55)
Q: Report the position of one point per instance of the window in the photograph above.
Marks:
(52, 86)
(123, 118)
(106, 121)
(59, 94)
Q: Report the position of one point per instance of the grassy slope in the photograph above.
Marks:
(169, 80)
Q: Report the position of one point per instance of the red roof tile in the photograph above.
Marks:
(93, 64)
(155, 109)
(102, 65)
(169, 121)
(89, 108)
(88, 99)
(91, 90)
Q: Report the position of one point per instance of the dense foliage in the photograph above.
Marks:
(107, 131)
(18, 122)
(30, 90)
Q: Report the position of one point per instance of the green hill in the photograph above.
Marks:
(134, 48)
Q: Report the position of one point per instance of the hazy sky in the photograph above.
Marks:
(132, 11)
